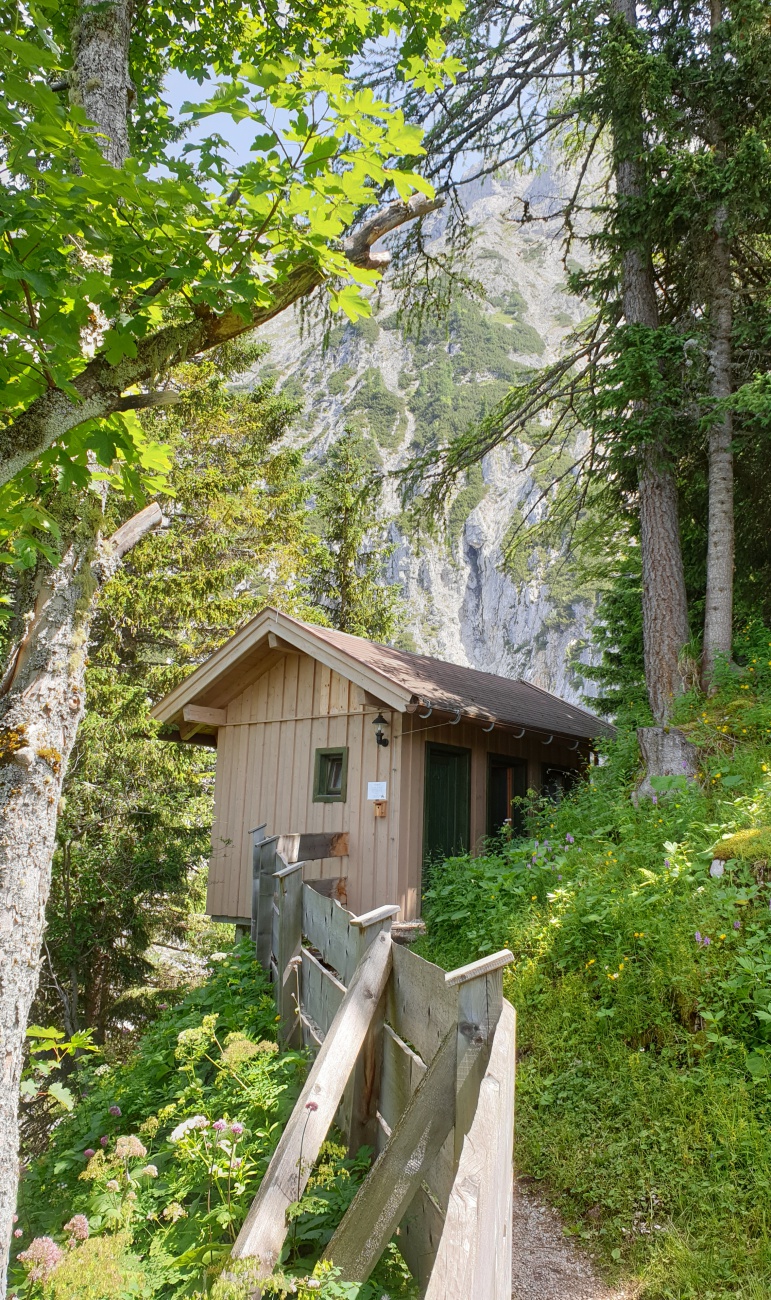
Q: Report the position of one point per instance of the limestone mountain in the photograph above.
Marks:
(407, 395)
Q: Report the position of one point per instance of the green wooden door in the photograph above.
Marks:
(447, 808)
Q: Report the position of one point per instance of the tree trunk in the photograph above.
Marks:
(718, 612)
(664, 602)
(39, 718)
(100, 80)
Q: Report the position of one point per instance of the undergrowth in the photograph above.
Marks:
(146, 1183)
(642, 983)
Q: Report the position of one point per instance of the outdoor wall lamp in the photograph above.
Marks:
(378, 723)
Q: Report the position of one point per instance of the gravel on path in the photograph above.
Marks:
(547, 1265)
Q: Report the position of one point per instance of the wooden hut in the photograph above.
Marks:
(401, 757)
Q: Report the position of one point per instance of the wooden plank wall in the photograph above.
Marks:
(416, 732)
(265, 765)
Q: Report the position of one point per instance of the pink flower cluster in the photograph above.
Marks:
(43, 1256)
(77, 1228)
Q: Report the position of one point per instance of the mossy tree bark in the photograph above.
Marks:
(664, 600)
(718, 612)
(40, 711)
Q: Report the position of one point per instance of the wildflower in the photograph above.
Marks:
(219, 1125)
(533, 897)
(113, 1185)
(89, 1152)
(697, 936)
(236, 1129)
(77, 1227)
(128, 1148)
(591, 961)
(104, 1140)
(236, 1162)
(149, 1171)
(722, 936)
(44, 1256)
(115, 1110)
(569, 839)
(706, 941)
(666, 862)
(311, 1105)
(654, 799)
(187, 1125)
(17, 1232)
(737, 925)
(173, 1212)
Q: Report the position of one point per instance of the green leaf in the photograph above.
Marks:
(62, 1095)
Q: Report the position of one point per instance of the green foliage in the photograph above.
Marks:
(466, 500)
(381, 411)
(152, 1173)
(348, 583)
(178, 233)
(642, 984)
(133, 834)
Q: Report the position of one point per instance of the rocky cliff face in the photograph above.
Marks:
(408, 395)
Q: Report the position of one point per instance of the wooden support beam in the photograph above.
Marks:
(374, 1214)
(265, 1227)
(208, 717)
(323, 844)
(276, 643)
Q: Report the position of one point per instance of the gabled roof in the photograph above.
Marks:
(401, 679)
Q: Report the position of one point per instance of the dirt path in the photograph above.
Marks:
(547, 1265)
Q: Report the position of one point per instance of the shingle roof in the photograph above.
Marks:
(476, 694)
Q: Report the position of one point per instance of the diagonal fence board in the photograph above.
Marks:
(375, 1212)
(265, 1227)
(442, 1177)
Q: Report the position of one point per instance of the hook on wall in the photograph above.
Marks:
(454, 721)
(490, 728)
(430, 708)
(547, 742)
(517, 735)
(574, 745)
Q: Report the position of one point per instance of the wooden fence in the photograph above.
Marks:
(410, 1060)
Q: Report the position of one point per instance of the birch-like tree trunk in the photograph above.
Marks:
(664, 601)
(718, 611)
(40, 712)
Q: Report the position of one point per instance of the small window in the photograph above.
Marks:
(330, 776)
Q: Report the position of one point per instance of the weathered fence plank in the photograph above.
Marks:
(419, 1234)
(265, 1227)
(289, 908)
(474, 1257)
(373, 1215)
(321, 993)
(326, 925)
(419, 1005)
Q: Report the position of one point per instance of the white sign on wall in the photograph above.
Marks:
(377, 790)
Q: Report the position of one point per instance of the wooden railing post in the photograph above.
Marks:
(258, 835)
(289, 904)
(361, 1100)
(480, 998)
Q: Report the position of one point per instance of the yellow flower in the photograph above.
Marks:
(722, 936)
(591, 961)
(533, 897)
(621, 967)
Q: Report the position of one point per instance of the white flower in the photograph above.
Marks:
(187, 1125)
(149, 1171)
